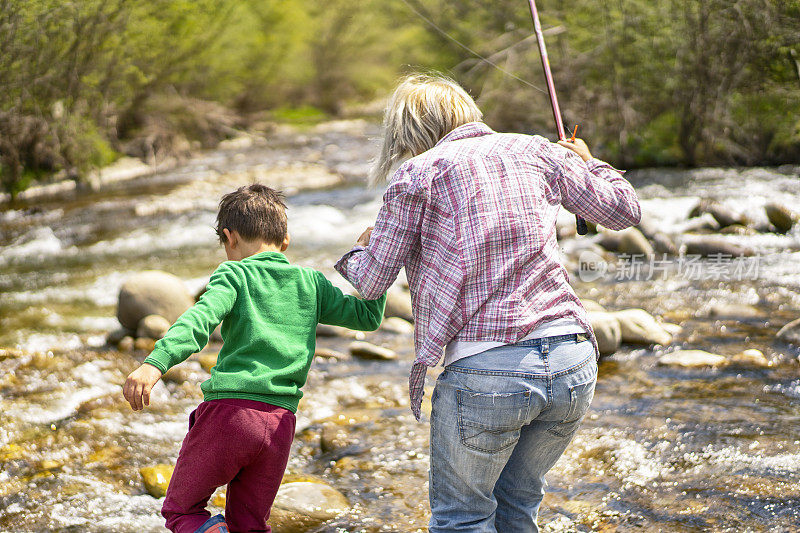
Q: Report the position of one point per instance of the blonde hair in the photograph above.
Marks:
(423, 109)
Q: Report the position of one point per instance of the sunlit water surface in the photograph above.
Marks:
(661, 450)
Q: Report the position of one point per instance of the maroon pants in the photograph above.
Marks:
(242, 443)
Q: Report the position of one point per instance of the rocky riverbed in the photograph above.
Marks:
(695, 417)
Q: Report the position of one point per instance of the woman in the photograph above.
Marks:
(472, 218)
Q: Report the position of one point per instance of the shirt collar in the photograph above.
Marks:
(465, 131)
(267, 256)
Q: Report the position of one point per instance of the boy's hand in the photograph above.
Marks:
(139, 384)
(579, 147)
(364, 239)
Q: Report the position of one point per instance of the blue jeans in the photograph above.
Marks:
(500, 421)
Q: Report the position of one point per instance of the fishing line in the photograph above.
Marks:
(470, 50)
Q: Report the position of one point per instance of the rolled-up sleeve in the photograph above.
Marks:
(373, 269)
(593, 190)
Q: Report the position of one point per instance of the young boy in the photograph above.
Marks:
(240, 435)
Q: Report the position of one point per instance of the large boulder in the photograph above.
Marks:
(152, 292)
(781, 217)
(639, 327)
(606, 330)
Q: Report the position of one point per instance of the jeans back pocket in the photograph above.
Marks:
(580, 398)
(491, 422)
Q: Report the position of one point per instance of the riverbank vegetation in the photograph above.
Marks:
(686, 82)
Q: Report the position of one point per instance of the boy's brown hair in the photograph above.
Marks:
(256, 212)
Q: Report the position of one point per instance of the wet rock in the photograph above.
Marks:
(607, 331)
(207, 360)
(663, 244)
(366, 350)
(790, 332)
(691, 359)
(114, 337)
(49, 464)
(395, 324)
(710, 246)
(152, 293)
(153, 326)
(312, 499)
(126, 344)
(703, 223)
(179, 374)
(156, 479)
(628, 241)
(592, 306)
(672, 329)
(398, 303)
(724, 215)
(781, 217)
(660, 241)
(326, 330)
(144, 344)
(751, 357)
(738, 229)
(220, 499)
(327, 353)
(639, 327)
(733, 310)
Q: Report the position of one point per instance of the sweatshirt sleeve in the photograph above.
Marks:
(190, 333)
(339, 309)
(593, 190)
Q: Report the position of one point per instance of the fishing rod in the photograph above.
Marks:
(551, 90)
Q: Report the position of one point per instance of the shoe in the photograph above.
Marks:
(215, 524)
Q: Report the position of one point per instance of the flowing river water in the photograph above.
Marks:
(662, 449)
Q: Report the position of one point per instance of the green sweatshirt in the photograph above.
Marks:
(269, 311)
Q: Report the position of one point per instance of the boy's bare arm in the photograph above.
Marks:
(139, 384)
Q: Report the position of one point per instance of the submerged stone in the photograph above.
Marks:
(790, 332)
(314, 500)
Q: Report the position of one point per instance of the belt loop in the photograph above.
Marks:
(545, 346)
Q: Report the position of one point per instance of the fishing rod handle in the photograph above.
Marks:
(580, 225)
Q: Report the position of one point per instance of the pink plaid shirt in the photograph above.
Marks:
(473, 221)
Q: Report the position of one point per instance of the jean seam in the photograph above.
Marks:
(502, 373)
(526, 375)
